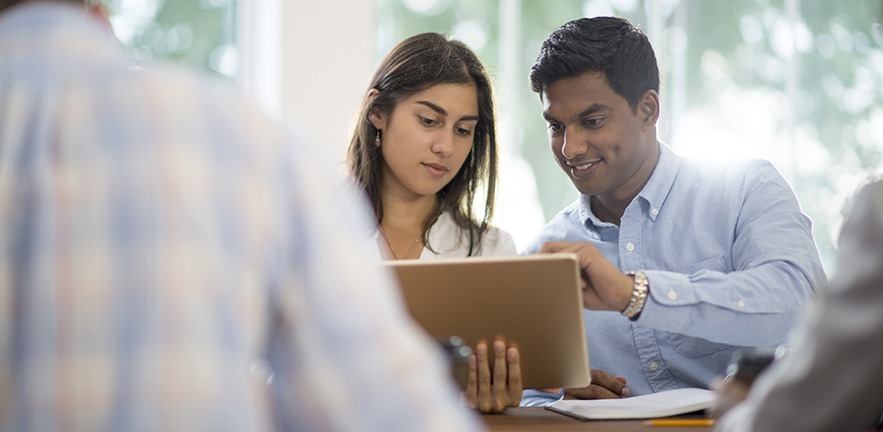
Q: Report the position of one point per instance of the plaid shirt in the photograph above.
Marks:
(165, 251)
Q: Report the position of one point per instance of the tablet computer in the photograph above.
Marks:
(533, 302)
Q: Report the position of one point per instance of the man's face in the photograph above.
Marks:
(598, 140)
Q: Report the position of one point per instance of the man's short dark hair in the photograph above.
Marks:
(602, 44)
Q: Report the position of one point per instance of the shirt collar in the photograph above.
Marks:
(654, 192)
(657, 189)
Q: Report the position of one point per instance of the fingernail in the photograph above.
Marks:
(499, 347)
(625, 391)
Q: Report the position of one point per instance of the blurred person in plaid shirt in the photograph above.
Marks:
(171, 259)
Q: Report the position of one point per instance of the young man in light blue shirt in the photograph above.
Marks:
(683, 263)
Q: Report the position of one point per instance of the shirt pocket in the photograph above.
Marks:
(689, 346)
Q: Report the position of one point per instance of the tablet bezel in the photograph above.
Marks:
(534, 302)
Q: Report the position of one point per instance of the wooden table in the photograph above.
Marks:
(540, 419)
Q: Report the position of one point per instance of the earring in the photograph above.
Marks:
(377, 139)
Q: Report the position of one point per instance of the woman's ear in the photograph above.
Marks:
(648, 108)
(374, 115)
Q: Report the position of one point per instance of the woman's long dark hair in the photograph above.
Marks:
(415, 64)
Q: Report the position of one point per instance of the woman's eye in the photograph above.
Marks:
(427, 121)
(464, 132)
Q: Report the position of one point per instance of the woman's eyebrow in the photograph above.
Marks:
(442, 111)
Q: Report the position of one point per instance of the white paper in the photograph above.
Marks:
(661, 404)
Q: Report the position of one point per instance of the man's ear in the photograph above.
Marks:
(648, 108)
(374, 115)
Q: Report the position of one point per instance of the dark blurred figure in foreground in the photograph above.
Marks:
(832, 380)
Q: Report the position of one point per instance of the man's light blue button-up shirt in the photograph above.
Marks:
(730, 259)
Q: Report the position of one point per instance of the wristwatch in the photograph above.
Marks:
(640, 291)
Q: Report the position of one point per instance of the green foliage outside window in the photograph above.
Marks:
(198, 33)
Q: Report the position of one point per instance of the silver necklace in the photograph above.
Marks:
(393, 252)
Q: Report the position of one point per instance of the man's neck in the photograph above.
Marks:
(610, 211)
(611, 206)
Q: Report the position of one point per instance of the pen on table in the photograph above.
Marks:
(679, 422)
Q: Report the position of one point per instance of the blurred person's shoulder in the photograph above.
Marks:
(196, 96)
(874, 188)
(182, 80)
(870, 194)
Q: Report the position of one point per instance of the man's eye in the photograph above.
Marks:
(555, 127)
(593, 122)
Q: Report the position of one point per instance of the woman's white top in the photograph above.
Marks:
(449, 241)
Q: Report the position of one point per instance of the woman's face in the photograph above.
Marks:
(426, 139)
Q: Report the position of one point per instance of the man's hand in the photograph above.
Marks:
(604, 386)
(604, 286)
(494, 393)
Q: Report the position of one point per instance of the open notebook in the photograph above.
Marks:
(662, 404)
(534, 302)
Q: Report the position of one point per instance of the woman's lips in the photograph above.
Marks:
(437, 170)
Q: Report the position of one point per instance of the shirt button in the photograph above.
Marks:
(654, 212)
(672, 295)
(740, 303)
(630, 246)
(653, 366)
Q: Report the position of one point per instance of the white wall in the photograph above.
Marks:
(308, 63)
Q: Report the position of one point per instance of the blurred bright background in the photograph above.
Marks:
(797, 82)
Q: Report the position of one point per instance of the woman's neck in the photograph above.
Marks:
(407, 215)
(401, 230)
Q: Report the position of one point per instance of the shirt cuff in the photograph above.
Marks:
(533, 397)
